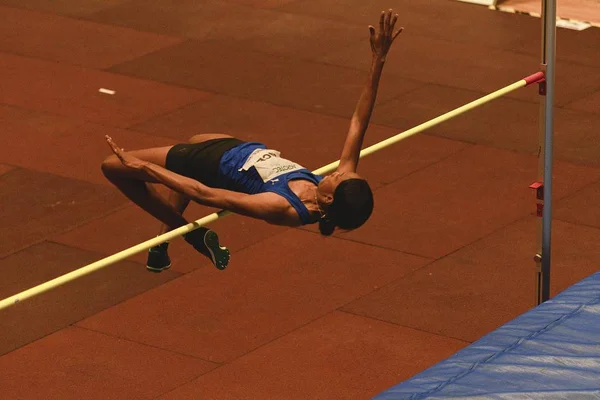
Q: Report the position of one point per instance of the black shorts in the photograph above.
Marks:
(200, 161)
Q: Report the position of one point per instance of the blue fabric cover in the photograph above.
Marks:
(550, 352)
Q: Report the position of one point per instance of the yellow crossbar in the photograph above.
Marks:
(78, 273)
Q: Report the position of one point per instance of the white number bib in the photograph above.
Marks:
(269, 164)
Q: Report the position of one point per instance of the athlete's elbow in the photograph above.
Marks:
(356, 123)
(202, 194)
(195, 194)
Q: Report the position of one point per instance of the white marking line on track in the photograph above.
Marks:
(560, 22)
(106, 91)
(575, 25)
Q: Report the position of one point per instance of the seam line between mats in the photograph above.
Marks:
(521, 218)
(346, 239)
(576, 224)
(88, 18)
(425, 167)
(130, 127)
(404, 326)
(64, 326)
(278, 9)
(414, 271)
(76, 326)
(50, 238)
(268, 342)
(289, 59)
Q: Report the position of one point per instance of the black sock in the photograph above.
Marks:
(163, 246)
(196, 239)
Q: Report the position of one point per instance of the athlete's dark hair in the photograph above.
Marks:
(351, 207)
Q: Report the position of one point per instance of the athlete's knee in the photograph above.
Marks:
(196, 138)
(110, 165)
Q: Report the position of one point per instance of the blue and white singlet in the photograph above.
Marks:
(252, 168)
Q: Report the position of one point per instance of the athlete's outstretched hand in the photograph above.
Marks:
(127, 159)
(382, 41)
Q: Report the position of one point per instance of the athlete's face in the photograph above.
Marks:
(328, 185)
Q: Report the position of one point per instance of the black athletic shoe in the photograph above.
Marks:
(158, 258)
(207, 242)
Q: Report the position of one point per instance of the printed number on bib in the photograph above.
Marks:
(269, 164)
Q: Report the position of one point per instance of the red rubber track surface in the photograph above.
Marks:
(446, 257)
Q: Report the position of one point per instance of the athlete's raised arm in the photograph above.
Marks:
(381, 41)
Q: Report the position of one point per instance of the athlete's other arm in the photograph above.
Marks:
(262, 206)
(381, 42)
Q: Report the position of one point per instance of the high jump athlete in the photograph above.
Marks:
(248, 178)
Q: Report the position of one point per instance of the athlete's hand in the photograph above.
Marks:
(127, 159)
(382, 41)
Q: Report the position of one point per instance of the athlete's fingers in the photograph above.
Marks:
(388, 19)
(398, 32)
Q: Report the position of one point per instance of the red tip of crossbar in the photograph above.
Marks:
(535, 78)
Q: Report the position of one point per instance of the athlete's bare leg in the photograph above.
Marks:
(178, 201)
(135, 185)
